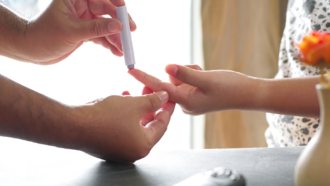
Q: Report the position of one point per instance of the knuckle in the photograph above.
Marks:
(96, 28)
(159, 85)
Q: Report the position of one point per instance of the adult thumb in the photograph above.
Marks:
(187, 75)
(153, 102)
(99, 27)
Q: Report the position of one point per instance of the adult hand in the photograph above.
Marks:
(66, 24)
(199, 92)
(124, 128)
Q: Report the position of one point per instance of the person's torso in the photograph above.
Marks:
(303, 16)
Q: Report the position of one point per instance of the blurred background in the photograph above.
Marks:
(239, 35)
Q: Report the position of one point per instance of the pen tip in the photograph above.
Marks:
(130, 67)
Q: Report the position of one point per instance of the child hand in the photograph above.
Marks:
(200, 92)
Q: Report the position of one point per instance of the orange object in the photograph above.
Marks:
(315, 49)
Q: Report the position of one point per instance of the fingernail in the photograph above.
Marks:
(113, 27)
(163, 96)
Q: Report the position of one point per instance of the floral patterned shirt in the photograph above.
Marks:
(303, 16)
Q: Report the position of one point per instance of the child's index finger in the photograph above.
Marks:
(156, 84)
(146, 79)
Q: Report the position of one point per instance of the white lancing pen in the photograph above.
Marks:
(125, 36)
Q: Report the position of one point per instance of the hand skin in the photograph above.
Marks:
(199, 92)
(62, 28)
(117, 128)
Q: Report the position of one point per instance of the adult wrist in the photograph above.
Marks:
(79, 121)
(63, 127)
(74, 128)
(12, 37)
(60, 126)
(25, 43)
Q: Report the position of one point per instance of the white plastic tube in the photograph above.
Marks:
(125, 36)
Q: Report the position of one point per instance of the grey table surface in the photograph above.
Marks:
(49, 166)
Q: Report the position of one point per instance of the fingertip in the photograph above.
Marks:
(172, 69)
(118, 53)
(132, 23)
(119, 47)
(120, 25)
(114, 26)
(114, 50)
(133, 71)
(163, 97)
(115, 42)
(133, 27)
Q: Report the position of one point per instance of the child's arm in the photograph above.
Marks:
(199, 92)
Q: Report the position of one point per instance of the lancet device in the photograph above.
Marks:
(125, 36)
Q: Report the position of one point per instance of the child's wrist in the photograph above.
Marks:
(259, 93)
(253, 93)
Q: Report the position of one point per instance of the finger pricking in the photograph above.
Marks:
(146, 79)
